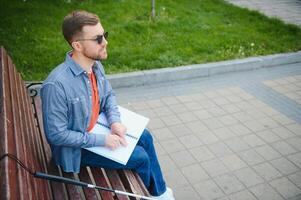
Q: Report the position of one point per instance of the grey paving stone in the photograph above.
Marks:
(196, 127)
(175, 179)
(159, 149)
(244, 105)
(270, 111)
(284, 148)
(253, 140)
(233, 162)
(163, 111)
(234, 98)
(295, 128)
(216, 111)
(256, 113)
(237, 144)
(170, 100)
(214, 167)
(268, 136)
(220, 149)
(242, 116)
(187, 117)
(296, 178)
(186, 192)
(211, 94)
(207, 137)
(177, 108)
(192, 106)
(243, 195)
(155, 123)
(267, 171)
(184, 98)
(265, 192)
(156, 103)
(284, 166)
(202, 153)
(207, 104)
(139, 105)
(162, 134)
(190, 141)
(172, 145)
(171, 120)
(208, 190)
(240, 129)
(255, 126)
(202, 114)
(221, 101)
(251, 157)
(223, 133)
(228, 120)
(182, 158)
(283, 132)
(213, 123)
(295, 158)
(166, 163)
(282, 119)
(147, 113)
(267, 152)
(180, 130)
(248, 177)
(229, 183)
(295, 142)
(231, 109)
(194, 173)
(285, 187)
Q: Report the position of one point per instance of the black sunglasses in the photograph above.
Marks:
(98, 38)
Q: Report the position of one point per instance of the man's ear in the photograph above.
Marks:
(76, 46)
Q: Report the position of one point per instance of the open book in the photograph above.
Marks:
(135, 125)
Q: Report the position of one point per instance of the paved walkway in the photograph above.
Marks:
(230, 136)
(286, 10)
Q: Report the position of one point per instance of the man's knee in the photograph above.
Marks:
(140, 157)
(147, 136)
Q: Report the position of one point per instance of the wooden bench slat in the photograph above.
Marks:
(21, 135)
(74, 192)
(91, 194)
(142, 186)
(131, 183)
(116, 183)
(11, 185)
(42, 165)
(59, 190)
(102, 180)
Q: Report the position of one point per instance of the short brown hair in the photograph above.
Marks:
(73, 23)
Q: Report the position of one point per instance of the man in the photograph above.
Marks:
(74, 94)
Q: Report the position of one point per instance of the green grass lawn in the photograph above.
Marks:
(183, 32)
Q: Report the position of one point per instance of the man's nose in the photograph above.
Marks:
(104, 41)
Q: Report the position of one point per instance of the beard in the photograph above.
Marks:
(95, 57)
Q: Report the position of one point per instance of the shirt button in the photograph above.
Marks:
(90, 96)
(88, 81)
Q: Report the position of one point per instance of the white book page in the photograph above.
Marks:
(135, 124)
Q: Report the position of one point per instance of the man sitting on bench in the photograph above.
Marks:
(74, 94)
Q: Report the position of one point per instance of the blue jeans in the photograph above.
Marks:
(143, 160)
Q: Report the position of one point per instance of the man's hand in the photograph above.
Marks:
(120, 130)
(113, 141)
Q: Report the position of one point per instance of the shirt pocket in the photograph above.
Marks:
(78, 107)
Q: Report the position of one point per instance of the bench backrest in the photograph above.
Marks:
(19, 136)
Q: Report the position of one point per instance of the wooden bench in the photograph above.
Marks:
(21, 134)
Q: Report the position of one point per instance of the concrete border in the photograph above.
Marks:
(146, 77)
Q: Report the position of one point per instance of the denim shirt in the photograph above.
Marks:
(67, 106)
